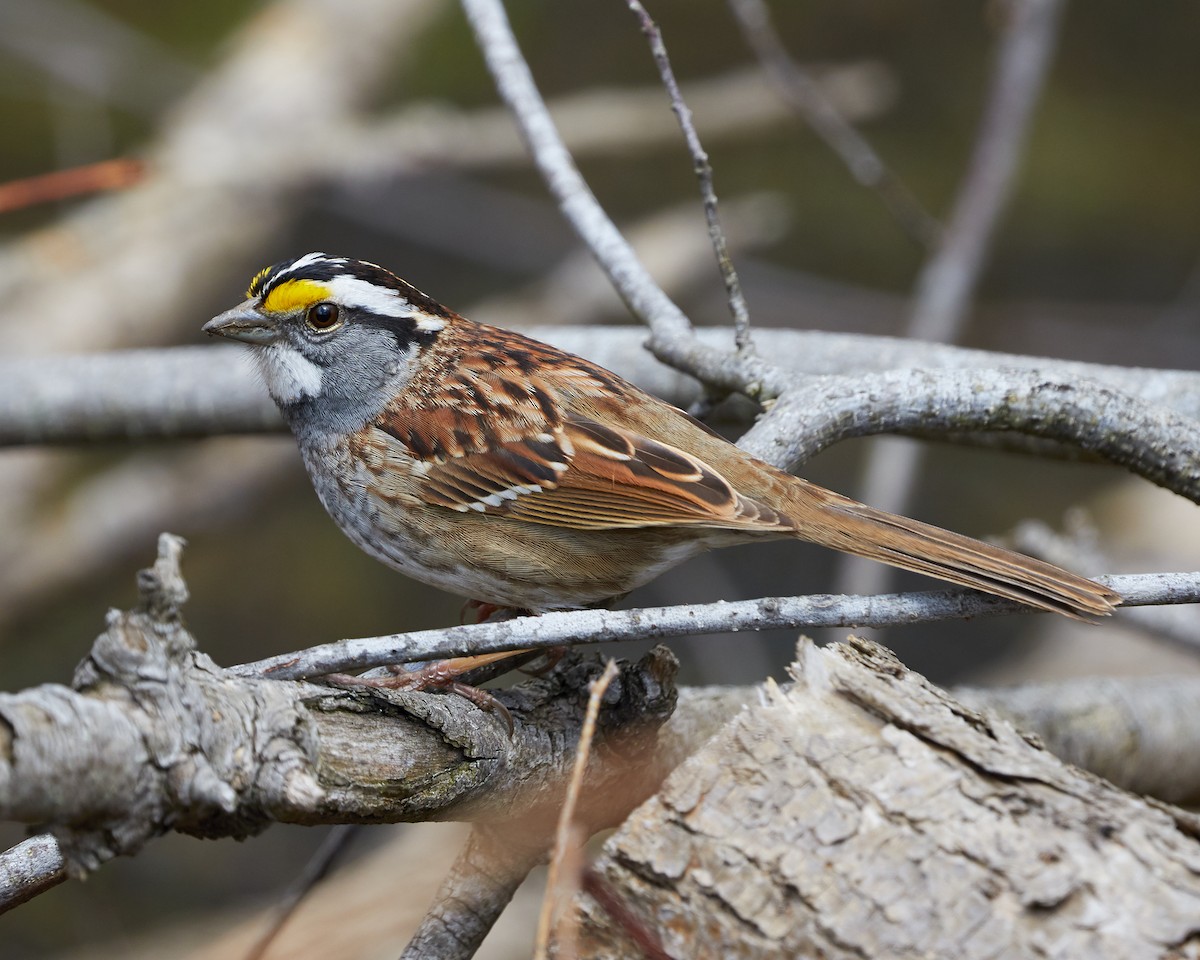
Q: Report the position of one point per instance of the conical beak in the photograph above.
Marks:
(243, 323)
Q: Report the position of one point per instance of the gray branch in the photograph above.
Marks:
(611, 626)
(30, 868)
(470, 900)
(197, 391)
(1152, 441)
(152, 736)
(671, 333)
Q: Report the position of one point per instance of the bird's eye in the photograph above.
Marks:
(323, 316)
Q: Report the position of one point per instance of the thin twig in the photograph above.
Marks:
(332, 849)
(1079, 546)
(558, 890)
(805, 96)
(652, 623)
(703, 171)
(75, 182)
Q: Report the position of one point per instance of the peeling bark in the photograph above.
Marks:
(864, 813)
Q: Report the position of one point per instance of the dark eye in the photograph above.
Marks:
(322, 316)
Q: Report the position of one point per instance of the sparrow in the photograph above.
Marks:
(498, 467)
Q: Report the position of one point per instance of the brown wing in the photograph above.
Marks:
(490, 441)
(589, 476)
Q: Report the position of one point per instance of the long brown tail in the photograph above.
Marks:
(835, 521)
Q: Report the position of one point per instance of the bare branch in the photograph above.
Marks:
(805, 96)
(184, 392)
(610, 626)
(154, 736)
(1152, 441)
(703, 171)
(479, 886)
(592, 123)
(30, 868)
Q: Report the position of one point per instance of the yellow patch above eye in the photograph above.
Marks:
(294, 295)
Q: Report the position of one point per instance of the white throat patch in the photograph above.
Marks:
(290, 376)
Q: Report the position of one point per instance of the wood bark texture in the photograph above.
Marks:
(864, 813)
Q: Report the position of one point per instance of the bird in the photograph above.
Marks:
(492, 465)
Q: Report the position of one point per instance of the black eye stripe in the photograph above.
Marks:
(404, 329)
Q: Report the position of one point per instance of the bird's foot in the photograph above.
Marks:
(439, 675)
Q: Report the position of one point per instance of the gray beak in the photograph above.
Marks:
(243, 323)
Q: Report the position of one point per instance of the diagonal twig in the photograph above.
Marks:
(704, 173)
(805, 96)
(671, 337)
(332, 849)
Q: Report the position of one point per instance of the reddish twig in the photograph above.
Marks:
(77, 181)
(560, 886)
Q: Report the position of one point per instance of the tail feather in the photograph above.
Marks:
(923, 548)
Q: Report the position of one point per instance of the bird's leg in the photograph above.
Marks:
(455, 674)
(438, 675)
(480, 611)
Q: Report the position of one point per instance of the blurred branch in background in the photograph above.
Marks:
(947, 282)
(94, 54)
(64, 184)
(804, 94)
(1079, 545)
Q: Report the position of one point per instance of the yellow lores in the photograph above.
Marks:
(294, 295)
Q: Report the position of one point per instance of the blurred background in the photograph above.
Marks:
(249, 132)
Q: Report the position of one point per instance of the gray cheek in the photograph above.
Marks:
(358, 373)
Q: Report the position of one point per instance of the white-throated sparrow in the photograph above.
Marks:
(497, 467)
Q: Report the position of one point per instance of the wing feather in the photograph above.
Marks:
(587, 476)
